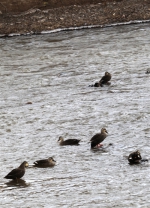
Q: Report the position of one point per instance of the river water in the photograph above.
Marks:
(53, 72)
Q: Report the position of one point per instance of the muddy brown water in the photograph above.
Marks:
(52, 72)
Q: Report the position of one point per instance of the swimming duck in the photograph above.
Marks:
(50, 162)
(68, 141)
(135, 157)
(17, 173)
(105, 79)
(98, 138)
(147, 72)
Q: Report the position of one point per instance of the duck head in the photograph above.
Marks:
(61, 139)
(104, 131)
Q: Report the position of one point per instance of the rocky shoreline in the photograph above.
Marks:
(34, 21)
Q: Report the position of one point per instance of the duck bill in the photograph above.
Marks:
(53, 159)
(27, 165)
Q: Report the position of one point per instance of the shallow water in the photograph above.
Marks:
(53, 72)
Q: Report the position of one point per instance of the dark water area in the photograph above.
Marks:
(53, 72)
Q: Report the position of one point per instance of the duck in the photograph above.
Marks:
(135, 157)
(17, 173)
(147, 72)
(50, 162)
(98, 138)
(68, 141)
(105, 79)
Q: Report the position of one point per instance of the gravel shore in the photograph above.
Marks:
(35, 20)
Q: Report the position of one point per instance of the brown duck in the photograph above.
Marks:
(17, 173)
(50, 162)
(68, 141)
(98, 138)
(105, 79)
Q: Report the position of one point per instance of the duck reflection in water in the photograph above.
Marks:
(17, 183)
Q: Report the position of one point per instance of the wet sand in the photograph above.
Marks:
(35, 20)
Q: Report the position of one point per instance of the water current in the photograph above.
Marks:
(53, 72)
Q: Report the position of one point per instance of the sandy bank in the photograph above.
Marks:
(36, 20)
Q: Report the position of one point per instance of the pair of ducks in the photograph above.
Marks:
(19, 172)
(104, 80)
(95, 140)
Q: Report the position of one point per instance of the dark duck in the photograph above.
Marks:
(98, 138)
(50, 162)
(135, 157)
(68, 141)
(105, 79)
(17, 173)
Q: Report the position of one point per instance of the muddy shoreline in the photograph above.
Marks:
(35, 21)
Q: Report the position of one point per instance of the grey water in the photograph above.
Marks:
(45, 93)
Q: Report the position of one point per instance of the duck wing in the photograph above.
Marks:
(96, 139)
(95, 136)
(105, 79)
(71, 142)
(15, 173)
(41, 162)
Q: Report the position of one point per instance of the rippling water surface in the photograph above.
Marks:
(53, 72)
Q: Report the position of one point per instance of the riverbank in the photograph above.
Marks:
(37, 20)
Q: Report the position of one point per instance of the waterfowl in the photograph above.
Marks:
(50, 162)
(135, 157)
(98, 138)
(17, 173)
(147, 72)
(68, 141)
(105, 79)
